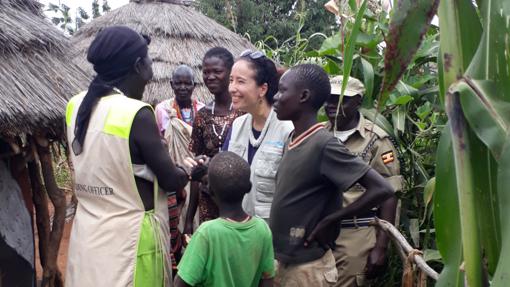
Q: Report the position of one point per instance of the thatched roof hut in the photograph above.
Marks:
(36, 77)
(179, 35)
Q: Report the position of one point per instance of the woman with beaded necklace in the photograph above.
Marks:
(258, 136)
(210, 127)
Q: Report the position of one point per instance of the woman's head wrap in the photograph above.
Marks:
(113, 53)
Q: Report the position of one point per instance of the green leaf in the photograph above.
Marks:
(399, 119)
(487, 210)
(431, 255)
(414, 230)
(428, 193)
(409, 23)
(367, 41)
(424, 110)
(487, 114)
(447, 214)
(350, 45)
(458, 20)
(463, 148)
(331, 45)
(502, 274)
(331, 67)
(379, 120)
(402, 100)
(368, 77)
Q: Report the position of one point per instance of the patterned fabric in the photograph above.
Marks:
(175, 235)
(207, 208)
(165, 108)
(207, 140)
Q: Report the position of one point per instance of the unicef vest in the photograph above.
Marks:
(111, 224)
(265, 162)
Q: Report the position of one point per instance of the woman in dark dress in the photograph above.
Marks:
(210, 127)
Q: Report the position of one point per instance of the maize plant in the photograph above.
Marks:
(472, 192)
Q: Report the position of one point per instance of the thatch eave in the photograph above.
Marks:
(37, 78)
(179, 35)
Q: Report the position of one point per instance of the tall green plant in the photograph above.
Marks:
(472, 203)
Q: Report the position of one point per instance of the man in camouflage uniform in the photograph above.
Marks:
(361, 249)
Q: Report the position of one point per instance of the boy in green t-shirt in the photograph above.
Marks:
(235, 249)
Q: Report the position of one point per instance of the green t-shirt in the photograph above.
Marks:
(224, 253)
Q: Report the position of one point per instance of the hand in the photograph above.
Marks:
(376, 262)
(164, 142)
(186, 238)
(324, 233)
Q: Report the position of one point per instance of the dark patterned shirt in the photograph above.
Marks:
(206, 140)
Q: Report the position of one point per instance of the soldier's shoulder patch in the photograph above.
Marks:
(388, 157)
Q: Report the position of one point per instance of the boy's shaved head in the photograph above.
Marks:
(229, 177)
(313, 78)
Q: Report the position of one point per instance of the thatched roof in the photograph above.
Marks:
(35, 77)
(179, 35)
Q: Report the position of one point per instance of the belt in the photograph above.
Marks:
(359, 221)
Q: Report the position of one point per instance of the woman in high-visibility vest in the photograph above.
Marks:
(120, 231)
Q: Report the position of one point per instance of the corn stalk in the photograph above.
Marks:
(472, 202)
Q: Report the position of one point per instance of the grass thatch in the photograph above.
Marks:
(180, 35)
(36, 77)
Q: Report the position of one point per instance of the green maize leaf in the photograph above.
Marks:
(348, 56)
(487, 114)
(350, 45)
(492, 59)
(440, 78)
(428, 193)
(409, 23)
(465, 172)
(368, 77)
(487, 209)
(488, 106)
(462, 31)
(502, 275)
(447, 214)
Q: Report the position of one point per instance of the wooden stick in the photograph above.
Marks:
(400, 240)
(52, 276)
(42, 217)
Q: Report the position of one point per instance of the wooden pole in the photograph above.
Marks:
(400, 240)
(52, 276)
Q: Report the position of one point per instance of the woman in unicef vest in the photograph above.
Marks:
(120, 231)
(258, 136)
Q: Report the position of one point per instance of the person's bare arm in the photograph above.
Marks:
(147, 142)
(376, 260)
(377, 190)
(194, 196)
(266, 282)
(178, 282)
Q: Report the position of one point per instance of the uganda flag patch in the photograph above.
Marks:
(388, 157)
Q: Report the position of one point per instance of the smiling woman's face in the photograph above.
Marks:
(243, 88)
(216, 75)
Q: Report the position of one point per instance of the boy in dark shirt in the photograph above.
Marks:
(306, 212)
(234, 249)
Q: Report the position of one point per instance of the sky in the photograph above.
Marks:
(85, 4)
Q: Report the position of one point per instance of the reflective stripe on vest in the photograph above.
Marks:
(120, 117)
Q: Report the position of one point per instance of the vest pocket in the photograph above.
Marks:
(267, 162)
(265, 168)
